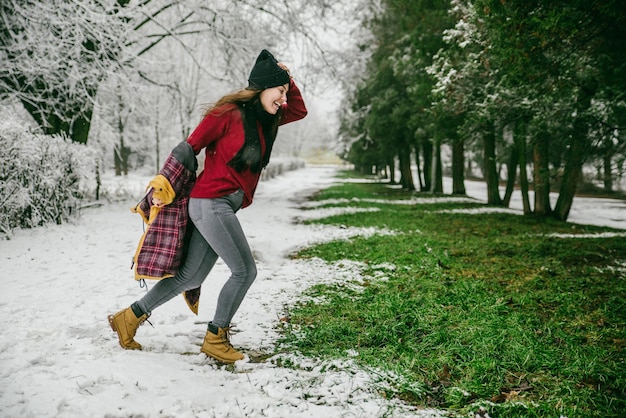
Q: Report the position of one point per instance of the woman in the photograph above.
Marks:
(237, 134)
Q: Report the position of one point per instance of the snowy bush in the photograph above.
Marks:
(40, 177)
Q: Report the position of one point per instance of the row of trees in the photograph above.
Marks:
(510, 84)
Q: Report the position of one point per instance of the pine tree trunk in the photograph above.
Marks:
(491, 172)
(458, 167)
(436, 185)
(406, 177)
(541, 176)
(571, 177)
(511, 169)
(577, 153)
(427, 147)
(523, 175)
(392, 170)
(608, 175)
(420, 178)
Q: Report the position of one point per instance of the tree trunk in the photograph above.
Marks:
(427, 147)
(511, 169)
(571, 176)
(458, 166)
(406, 177)
(607, 175)
(51, 124)
(420, 178)
(576, 155)
(79, 129)
(117, 160)
(98, 181)
(523, 175)
(469, 170)
(541, 176)
(491, 172)
(392, 170)
(436, 185)
(120, 156)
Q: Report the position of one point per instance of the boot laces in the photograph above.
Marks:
(146, 320)
(226, 337)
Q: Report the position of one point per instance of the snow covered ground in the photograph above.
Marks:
(585, 210)
(59, 358)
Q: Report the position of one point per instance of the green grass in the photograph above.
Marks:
(479, 310)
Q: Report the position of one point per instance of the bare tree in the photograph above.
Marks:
(56, 55)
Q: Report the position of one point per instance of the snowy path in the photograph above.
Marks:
(59, 358)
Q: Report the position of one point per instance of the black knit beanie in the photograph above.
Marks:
(266, 73)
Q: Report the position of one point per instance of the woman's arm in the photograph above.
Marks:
(294, 109)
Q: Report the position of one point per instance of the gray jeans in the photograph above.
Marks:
(216, 233)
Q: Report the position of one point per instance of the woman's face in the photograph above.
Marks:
(273, 98)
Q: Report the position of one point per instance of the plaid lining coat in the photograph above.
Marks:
(161, 247)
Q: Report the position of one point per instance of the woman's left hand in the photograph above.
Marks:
(284, 67)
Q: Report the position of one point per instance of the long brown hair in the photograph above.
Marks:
(243, 95)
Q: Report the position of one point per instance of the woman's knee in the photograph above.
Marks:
(246, 274)
(252, 272)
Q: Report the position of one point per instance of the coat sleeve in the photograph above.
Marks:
(185, 155)
(294, 109)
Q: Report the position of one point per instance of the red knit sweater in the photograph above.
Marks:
(222, 134)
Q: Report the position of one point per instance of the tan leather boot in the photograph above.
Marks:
(218, 346)
(125, 323)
